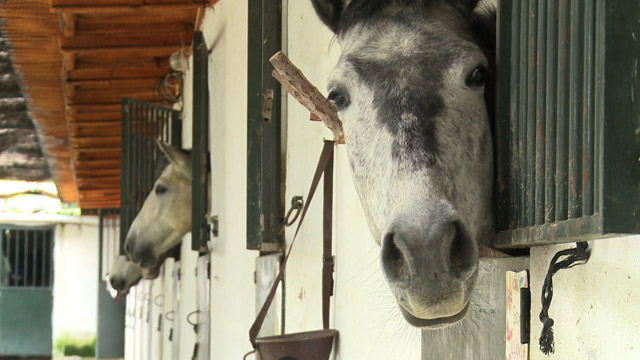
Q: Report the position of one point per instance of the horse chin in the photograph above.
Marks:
(436, 323)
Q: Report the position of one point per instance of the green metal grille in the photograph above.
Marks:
(567, 139)
(26, 257)
(142, 124)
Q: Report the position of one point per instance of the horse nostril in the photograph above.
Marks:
(462, 253)
(394, 262)
(117, 284)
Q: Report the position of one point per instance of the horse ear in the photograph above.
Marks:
(466, 6)
(174, 154)
(330, 12)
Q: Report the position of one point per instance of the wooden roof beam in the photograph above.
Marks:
(124, 40)
(128, 9)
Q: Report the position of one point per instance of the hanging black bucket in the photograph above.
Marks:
(311, 345)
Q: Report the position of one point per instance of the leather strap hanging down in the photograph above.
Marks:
(325, 165)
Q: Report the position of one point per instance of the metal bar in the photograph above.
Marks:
(25, 256)
(588, 108)
(530, 159)
(522, 126)
(34, 258)
(43, 259)
(125, 175)
(16, 258)
(7, 235)
(575, 108)
(561, 147)
(550, 112)
(599, 105)
(505, 105)
(101, 214)
(540, 123)
(514, 189)
(50, 258)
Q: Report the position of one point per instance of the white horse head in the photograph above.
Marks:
(165, 216)
(413, 88)
(124, 274)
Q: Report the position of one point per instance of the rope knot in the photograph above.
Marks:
(574, 256)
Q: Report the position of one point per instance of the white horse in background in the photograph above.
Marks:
(124, 275)
(165, 216)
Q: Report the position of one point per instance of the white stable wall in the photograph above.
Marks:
(232, 265)
(594, 306)
(75, 279)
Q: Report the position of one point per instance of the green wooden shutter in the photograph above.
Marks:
(568, 122)
(200, 145)
(264, 203)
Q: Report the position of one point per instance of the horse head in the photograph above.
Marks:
(413, 88)
(165, 216)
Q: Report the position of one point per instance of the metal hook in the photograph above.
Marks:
(155, 300)
(189, 317)
(166, 315)
(296, 204)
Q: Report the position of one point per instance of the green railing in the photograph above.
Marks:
(142, 124)
(26, 257)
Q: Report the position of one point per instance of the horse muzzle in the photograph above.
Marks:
(140, 253)
(430, 263)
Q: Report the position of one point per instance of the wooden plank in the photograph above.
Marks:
(83, 142)
(95, 2)
(93, 164)
(97, 154)
(123, 51)
(152, 68)
(97, 185)
(98, 98)
(122, 40)
(119, 9)
(84, 173)
(97, 128)
(119, 24)
(111, 182)
(308, 95)
(69, 24)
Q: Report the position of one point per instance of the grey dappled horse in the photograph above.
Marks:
(414, 90)
(165, 216)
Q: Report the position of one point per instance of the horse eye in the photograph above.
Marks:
(477, 77)
(160, 189)
(339, 100)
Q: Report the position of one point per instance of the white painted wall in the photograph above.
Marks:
(188, 296)
(232, 265)
(75, 279)
(594, 306)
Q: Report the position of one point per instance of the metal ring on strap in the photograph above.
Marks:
(155, 300)
(189, 317)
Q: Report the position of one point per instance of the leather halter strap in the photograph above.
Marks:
(325, 166)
